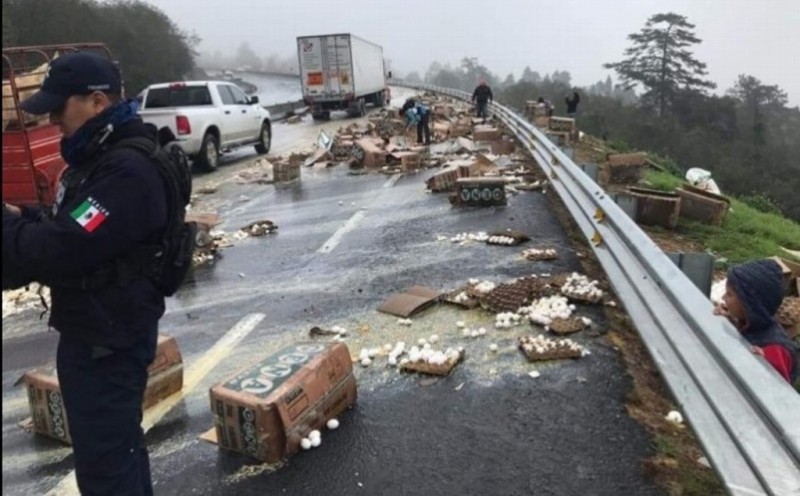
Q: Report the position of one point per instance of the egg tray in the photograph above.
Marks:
(260, 228)
(567, 326)
(507, 297)
(432, 369)
(789, 316)
(540, 257)
(471, 303)
(561, 352)
(518, 237)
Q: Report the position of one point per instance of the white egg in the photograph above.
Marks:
(392, 360)
(333, 424)
(314, 434)
(534, 374)
(482, 331)
(316, 442)
(305, 443)
(422, 342)
(460, 324)
(675, 417)
(493, 347)
(363, 354)
(366, 362)
(387, 347)
(466, 333)
(434, 339)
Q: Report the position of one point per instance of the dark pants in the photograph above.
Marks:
(103, 396)
(482, 109)
(424, 127)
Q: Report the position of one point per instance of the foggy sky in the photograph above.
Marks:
(757, 37)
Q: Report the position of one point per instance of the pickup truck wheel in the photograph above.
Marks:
(264, 140)
(207, 158)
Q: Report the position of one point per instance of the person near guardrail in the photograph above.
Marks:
(572, 104)
(419, 114)
(111, 203)
(753, 295)
(481, 97)
(541, 102)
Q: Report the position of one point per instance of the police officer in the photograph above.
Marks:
(111, 202)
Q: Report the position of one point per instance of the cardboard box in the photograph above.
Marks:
(285, 171)
(374, 156)
(411, 301)
(485, 133)
(702, 206)
(562, 125)
(542, 121)
(622, 173)
(444, 180)
(636, 159)
(503, 147)
(49, 417)
(265, 410)
(480, 191)
(409, 161)
(656, 208)
(791, 275)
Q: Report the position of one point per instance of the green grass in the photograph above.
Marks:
(747, 233)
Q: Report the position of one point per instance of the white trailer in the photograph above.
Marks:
(341, 72)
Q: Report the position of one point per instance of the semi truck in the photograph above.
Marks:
(341, 72)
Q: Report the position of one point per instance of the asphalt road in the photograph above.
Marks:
(345, 243)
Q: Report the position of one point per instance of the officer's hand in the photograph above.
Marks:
(13, 209)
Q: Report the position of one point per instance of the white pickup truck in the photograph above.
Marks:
(208, 118)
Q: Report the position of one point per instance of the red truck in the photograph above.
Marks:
(32, 163)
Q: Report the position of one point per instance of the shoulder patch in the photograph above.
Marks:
(90, 214)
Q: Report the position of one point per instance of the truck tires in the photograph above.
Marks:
(207, 158)
(358, 109)
(380, 100)
(264, 139)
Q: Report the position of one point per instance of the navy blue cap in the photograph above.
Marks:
(74, 73)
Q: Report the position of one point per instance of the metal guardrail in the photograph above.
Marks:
(746, 418)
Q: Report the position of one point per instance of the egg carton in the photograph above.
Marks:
(508, 297)
(540, 254)
(556, 350)
(260, 228)
(567, 326)
(789, 316)
(423, 367)
(507, 238)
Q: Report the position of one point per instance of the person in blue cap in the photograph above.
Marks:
(110, 203)
(419, 114)
(753, 295)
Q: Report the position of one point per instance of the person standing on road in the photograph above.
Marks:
(541, 102)
(111, 206)
(753, 295)
(416, 113)
(481, 98)
(572, 104)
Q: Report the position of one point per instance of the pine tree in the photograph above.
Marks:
(661, 61)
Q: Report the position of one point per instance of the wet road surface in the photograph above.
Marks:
(346, 243)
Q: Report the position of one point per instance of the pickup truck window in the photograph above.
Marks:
(239, 96)
(226, 95)
(183, 96)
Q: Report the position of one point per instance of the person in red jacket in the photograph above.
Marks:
(754, 293)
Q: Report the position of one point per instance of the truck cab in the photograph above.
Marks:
(32, 162)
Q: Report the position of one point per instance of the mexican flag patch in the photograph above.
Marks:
(90, 215)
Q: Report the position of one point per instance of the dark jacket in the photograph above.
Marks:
(572, 103)
(482, 94)
(121, 206)
(760, 289)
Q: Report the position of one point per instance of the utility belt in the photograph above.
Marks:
(141, 264)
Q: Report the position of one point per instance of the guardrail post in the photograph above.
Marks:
(698, 267)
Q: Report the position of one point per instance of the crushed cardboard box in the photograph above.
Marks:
(411, 301)
(265, 410)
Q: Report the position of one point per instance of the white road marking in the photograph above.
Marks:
(332, 242)
(191, 379)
